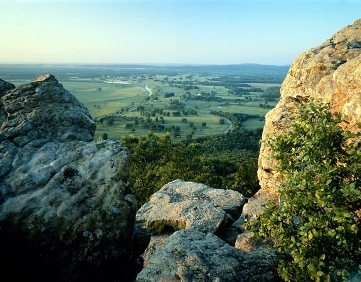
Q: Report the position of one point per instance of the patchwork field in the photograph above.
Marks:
(187, 102)
(152, 98)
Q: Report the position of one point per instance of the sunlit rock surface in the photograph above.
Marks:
(329, 73)
(66, 209)
(180, 204)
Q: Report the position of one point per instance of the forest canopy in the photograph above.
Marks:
(226, 161)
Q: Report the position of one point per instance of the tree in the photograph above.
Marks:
(222, 121)
(316, 226)
(225, 161)
(105, 136)
(109, 120)
(146, 153)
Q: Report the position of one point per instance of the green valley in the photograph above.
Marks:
(185, 101)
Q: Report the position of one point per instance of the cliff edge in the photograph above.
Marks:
(330, 73)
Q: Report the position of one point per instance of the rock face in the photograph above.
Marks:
(66, 209)
(179, 205)
(190, 255)
(330, 73)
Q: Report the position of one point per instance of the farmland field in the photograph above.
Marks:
(186, 101)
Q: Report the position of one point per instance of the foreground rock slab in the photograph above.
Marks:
(190, 255)
(180, 204)
(66, 208)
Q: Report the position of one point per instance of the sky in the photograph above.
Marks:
(166, 31)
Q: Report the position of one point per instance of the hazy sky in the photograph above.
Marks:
(166, 31)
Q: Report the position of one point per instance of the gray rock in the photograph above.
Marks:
(155, 243)
(190, 255)
(5, 86)
(256, 205)
(179, 205)
(354, 44)
(236, 235)
(66, 208)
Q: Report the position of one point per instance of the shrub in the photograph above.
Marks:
(316, 226)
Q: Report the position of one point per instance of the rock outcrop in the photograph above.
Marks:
(190, 255)
(330, 73)
(202, 250)
(66, 208)
(178, 205)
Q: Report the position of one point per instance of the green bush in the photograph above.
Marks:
(316, 227)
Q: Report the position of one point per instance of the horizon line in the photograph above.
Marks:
(142, 64)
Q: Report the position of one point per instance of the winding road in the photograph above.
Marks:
(230, 125)
(149, 90)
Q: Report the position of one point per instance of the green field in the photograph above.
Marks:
(136, 104)
(138, 99)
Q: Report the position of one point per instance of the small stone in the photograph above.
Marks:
(244, 242)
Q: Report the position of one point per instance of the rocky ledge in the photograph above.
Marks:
(179, 204)
(192, 230)
(66, 208)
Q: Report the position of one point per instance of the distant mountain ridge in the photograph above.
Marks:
(247, 72)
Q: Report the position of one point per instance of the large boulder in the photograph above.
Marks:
(190, 255)
(66, 208)
(330, 73)
(179, 204)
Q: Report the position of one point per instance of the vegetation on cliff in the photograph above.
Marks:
(317, 224)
